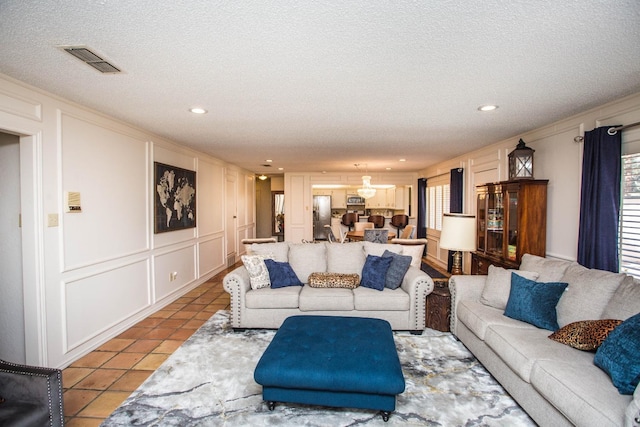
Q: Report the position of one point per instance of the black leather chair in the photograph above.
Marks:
(399, 222)
(30, 395)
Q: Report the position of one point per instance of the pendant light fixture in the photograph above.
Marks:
(367, 191)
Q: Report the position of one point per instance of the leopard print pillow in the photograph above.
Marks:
(334, 280)
(586, 334)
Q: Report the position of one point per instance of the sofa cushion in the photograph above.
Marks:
(326, 299)
(618, 355)
(334, 280)
(479, 317)
(549, 270)
(498, 285)
(306, 258)
(587, 295)
(377, 249)
(257, 270)
(521, 348)
(581, 391)
(366, 299)
(276, 251)
(625, 301)
(534, 302)
(281, 274)
(273, 298)
(398, 268)
(586, 335)
(345, 258)
(415, 252)
(374, 272)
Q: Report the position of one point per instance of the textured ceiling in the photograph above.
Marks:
(321, 85)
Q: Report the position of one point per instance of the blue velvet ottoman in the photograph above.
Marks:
(335, 361)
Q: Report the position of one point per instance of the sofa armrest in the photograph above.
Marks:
(418, 285)
(464, 287)
(237, 283)
(33, 395)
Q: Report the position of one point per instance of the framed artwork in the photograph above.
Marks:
(174, 199)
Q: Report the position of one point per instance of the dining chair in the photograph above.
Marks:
(375, 235)
(329, 233)
(359, 226)
(407, 233)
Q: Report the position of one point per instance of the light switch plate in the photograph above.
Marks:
(52, 220)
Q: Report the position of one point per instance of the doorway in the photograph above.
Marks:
(12, 333)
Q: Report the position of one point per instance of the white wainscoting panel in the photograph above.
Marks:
(97, 302)
(179, 262)
(109, 170)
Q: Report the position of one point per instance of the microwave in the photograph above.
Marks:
(355, 200)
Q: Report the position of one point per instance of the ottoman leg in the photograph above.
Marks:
(385, 415)
(271, 405)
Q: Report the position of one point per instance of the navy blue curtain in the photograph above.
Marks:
(421, 228)
(456, 184)
(600, 200)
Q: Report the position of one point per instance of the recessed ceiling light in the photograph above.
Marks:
(388, 169)
(268, 160)
(487, 107)
(280, 169)
(402, 160)
(198, 110)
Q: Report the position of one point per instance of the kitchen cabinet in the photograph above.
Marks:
(511, 220)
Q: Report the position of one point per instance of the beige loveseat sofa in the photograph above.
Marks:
(403, 308)
(554, 383)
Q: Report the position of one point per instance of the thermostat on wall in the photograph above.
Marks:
(72, 204)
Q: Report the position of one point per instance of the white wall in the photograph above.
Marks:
(12, 345)
(100, 271)
(558, 158)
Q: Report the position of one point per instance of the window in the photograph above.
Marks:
(438, 195)
(629, 250)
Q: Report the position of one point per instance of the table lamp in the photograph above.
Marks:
(458, 235)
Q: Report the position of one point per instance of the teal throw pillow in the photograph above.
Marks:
(534, 302)
(374, 272)
(618, 355)
(398, 268)
(281, 274)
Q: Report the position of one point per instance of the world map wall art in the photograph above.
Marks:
(175, 198)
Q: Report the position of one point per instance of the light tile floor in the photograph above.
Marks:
(96, 384)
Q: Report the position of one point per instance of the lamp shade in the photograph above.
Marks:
(458, 232)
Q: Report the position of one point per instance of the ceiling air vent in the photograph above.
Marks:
(90, 58)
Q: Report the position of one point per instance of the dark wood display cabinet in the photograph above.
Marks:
(511, 221)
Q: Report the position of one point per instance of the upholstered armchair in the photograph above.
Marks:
(30, 396)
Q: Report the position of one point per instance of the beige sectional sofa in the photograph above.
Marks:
(554, 383)
(403, 308)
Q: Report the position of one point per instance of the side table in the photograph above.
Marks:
(438, 306)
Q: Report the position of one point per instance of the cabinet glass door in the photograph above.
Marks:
(495, 221)
(482, 221)
(512, 230)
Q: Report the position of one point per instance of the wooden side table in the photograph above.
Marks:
(438, 308)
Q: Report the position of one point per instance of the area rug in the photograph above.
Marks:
(208, 381)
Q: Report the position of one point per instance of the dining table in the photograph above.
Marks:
(358, 236)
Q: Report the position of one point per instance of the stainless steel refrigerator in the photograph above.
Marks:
(321, 216)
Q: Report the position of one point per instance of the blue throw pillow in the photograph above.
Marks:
(534, 302)
(281, 274)
(398, 268)
(618, 355)
(374, 272)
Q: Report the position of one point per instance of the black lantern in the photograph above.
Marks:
(521, 162)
